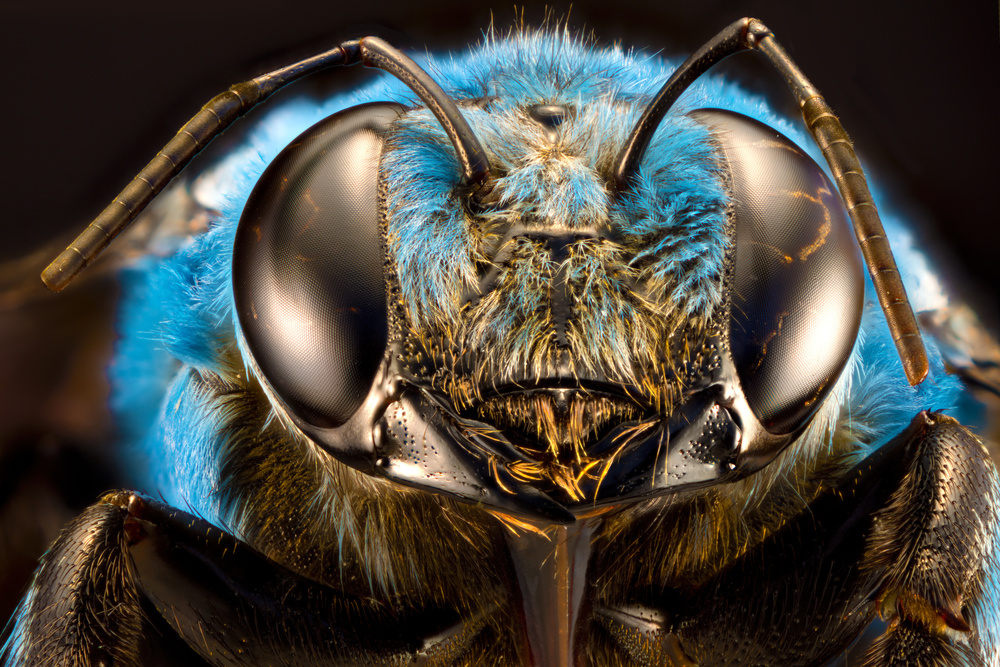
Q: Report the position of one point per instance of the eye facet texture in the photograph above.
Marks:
(797, 286)
(308, 262)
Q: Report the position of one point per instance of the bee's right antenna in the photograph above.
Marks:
(747, 34)
(224, 109)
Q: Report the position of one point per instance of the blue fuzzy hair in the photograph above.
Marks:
(177, 313)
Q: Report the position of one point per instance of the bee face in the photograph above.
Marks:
(574, 334)
(560, 311)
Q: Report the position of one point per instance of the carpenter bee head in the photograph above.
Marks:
(542, 340)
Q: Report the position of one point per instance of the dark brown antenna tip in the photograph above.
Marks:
(63, 269)
(914, 359)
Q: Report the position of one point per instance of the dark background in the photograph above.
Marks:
(92, 92)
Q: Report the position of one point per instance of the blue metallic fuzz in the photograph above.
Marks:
(535, 334)
(181, 307)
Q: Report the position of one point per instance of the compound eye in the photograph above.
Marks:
(308, 262)
(797, 287)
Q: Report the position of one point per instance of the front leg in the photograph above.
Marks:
(936, 542)
(909, 533)
(129, 569)
(83, 607)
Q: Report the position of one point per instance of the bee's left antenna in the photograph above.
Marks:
(224, 109)
(750, 34)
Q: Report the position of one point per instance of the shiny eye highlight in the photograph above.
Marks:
(797, 285)
(308, 261)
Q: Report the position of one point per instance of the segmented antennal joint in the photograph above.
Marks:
(750, 34)
(224, 109)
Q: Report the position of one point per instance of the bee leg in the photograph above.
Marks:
(232, 605)
(83, 607)
(130, 569)
(910, 531)
(935, 540)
